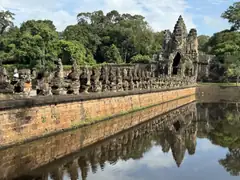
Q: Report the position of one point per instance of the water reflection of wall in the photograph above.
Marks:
(26, 157)
(175, 131)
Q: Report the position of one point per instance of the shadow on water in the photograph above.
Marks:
(177, 133)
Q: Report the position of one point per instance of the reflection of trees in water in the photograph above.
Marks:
(232, 162)
(226, 133)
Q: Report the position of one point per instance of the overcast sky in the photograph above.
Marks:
(161, 14)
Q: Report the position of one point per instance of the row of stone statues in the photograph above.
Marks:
(106, 78)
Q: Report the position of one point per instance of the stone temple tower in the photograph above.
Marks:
(179, 35)
(179, 54)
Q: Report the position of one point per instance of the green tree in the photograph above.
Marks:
(202, 43)
(232, 64)
(131, 34)
(74, 49)
(6, 18)
(83, 33)
(232, 14)
(112, 55)
(140, 59)
(224, 42)
(8, 45)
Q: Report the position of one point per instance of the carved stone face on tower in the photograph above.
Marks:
(179, 34)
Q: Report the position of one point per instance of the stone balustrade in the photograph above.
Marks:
(107, 78)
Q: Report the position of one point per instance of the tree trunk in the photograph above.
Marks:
(237, 80)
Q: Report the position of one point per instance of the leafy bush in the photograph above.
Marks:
(140, 59)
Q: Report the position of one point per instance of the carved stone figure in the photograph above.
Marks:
(135, 78)
(119, 80)
(104, 78)
(25, 81)
(130, 79)
(125, 79)
(140, 80)
(43, 86)
(74, 77)
(57, 83)
(85, 79)
(113, 79)
(96, 85)
(144, 79)
(5, 86)
(148, 80)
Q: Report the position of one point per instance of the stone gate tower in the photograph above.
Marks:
(179, 54)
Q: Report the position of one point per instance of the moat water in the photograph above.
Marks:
(201, 144)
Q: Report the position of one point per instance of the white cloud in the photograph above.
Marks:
(160, 14)
(215, 22)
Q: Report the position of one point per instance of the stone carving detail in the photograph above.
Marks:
(125, 79)
(130, 79)
(113, 79)
(74, 77)
(119, 80)
(85, 79)
(104, 78)
(57, 83)
(96, 85)
(135, 78)
(5, 86)
(43, 84)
